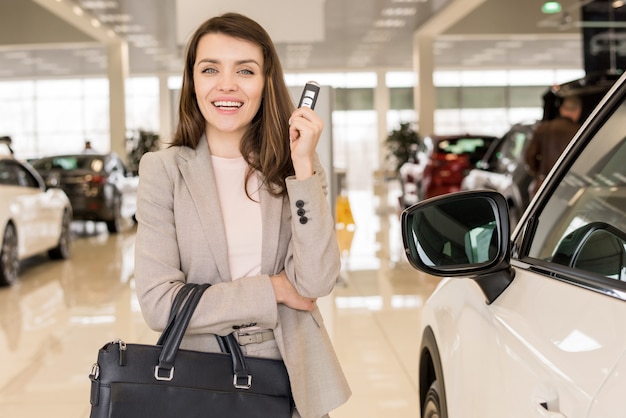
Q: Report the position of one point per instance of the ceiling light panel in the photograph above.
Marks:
(399, 11)
(389, 23)
(115, 18)
(98, 4)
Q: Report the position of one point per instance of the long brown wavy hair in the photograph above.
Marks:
(265, 145)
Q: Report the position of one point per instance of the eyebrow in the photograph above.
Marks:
(239, 62)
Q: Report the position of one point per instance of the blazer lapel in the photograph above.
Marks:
(197, 171)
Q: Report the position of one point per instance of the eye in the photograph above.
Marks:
(246, 71)
(208, 70)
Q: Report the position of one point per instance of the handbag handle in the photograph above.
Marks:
(242, 379)
(176, 306)
(175, 335)
(172, 337)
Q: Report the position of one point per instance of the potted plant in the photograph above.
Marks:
(401, 144)
(138, 143)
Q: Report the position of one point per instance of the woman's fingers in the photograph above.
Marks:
(287, 294)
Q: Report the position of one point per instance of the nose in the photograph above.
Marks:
(227, 83)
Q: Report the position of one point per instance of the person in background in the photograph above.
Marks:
(88, 148)
(550, 139)
(7, 141)
(238, 200)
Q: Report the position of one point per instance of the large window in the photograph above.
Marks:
(56, 116)
(49, 116)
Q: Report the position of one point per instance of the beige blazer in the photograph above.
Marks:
(181, 238)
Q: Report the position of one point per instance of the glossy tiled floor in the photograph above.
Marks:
(54, 320)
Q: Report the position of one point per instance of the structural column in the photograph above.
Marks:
(117, 69)
(166, 131)
(424, 93)
(424, 61)
(381, 106)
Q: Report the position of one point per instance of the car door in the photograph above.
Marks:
(28, 208)
(560, 322)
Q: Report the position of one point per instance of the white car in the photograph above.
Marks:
(411, 173)
(33, 218)
(530, 324)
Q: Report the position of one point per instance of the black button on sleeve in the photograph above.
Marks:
(301, 212)
(300, 204)
(303, 220)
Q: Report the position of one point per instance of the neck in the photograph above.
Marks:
(225, 145)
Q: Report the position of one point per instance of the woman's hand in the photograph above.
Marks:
(287, 294)
(305, 128)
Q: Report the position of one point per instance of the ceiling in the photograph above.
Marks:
(36, 39)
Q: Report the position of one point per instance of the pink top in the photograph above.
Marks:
(242, 216)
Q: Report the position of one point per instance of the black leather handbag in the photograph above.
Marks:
(162, 381)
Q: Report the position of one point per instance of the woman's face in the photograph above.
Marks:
(228, 78)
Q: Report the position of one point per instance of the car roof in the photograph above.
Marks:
(459, 136)
(590, 89)
(453, 138)
(77, 155)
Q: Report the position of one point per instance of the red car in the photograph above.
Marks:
(452, 157)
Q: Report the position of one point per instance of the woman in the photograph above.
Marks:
(239, 200)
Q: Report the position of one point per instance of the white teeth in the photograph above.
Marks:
(228, 104)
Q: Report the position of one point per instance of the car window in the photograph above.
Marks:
(8, 175)
(516, 145)
(70, 162)
(462, 145)
(13, 174)
(583, 224)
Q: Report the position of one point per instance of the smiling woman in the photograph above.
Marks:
(239, 201)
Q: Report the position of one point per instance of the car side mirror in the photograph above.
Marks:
(461, 234)
(596, 247)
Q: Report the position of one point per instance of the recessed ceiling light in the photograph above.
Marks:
(399, 11)
(116, 18)
(389, 23)
(374, 36)
(127, 28)
(98, 4)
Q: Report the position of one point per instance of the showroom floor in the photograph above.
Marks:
(54, 320)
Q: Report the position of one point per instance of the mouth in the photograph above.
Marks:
(228, 105)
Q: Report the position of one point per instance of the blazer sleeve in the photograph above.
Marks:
(313, 258)
(171, 249)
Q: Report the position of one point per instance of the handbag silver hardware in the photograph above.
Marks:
(165, 378)
(245, 386)
(121, 343)
(94, 374)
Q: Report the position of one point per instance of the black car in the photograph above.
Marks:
(590, 89)
(99, 186)
(503, 169)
